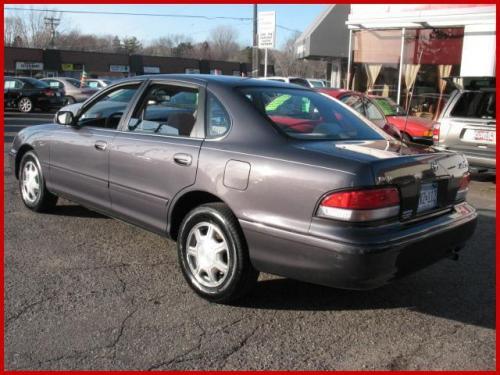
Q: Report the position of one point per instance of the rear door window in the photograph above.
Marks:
(476, 104)
(166, 110)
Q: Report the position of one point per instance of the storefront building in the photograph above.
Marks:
(38, 63)
(399, 48)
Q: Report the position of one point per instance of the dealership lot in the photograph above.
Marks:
(86, 292)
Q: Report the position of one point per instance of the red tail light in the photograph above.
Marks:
(463, 188)
(465, 181)
(48, 92)
(435, 132)
(361, 205)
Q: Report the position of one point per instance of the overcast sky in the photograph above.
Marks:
(145, 28)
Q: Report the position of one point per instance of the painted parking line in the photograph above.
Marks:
(16, 125)
(40, 119)
(16, 129)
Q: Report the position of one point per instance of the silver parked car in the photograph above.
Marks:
(251, 176)
(74, 91)
(468, 124)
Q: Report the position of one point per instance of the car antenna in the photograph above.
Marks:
(411, 96)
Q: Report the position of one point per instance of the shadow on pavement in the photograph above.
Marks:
(463, 291)
(76, 211)
(484, 177)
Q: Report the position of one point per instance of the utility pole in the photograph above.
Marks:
(255, 48)
(52, 23)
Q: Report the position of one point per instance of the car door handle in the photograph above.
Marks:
(183, 159)
(101, 145)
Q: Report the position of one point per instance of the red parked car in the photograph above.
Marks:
(385, 114)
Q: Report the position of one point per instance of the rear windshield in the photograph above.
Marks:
(475, 104)
(35, 83)
(305, 114)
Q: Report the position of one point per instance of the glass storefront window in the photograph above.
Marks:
(376, 55)
(428, 56)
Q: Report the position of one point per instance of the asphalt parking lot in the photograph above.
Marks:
(83, 291)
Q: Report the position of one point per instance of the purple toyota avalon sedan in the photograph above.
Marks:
(251, 176)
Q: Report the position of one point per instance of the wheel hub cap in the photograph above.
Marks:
(208, 254)
(30, 185)
(25, 105)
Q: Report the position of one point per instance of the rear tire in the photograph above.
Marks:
(34, 194)
(25, 105)
(213, 254)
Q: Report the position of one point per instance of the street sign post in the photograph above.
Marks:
(266, 27)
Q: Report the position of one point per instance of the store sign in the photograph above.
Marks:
(67, 67)
(20, 65)
(266, 27)
(119, 68)
(152, 69)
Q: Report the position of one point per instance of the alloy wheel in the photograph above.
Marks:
(30, 186)
(25, 105)
(207, 253)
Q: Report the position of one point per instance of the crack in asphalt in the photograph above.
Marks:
(85, 354)
(180, 358)
(236, 348)
(26, 308)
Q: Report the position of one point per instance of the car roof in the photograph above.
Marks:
(229, 81)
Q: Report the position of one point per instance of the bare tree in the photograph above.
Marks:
(286, 64)
(167, 45)
(223, 42)
(29, 28)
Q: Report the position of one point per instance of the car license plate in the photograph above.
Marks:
(484, 136)
(428, 197)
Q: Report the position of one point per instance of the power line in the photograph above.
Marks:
(145, 15)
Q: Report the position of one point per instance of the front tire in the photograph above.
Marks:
(213, 254)
(25, 105)
(34, 194)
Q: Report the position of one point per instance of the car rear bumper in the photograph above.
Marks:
(55, 102)
(480, 160)
(365, 261)
(481, 164)
(423, 140)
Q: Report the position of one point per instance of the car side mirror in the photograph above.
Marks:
(65, 118)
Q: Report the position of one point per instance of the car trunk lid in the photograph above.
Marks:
(428, 182)
(428, 179)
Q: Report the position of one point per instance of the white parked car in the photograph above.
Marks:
(306, 82)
